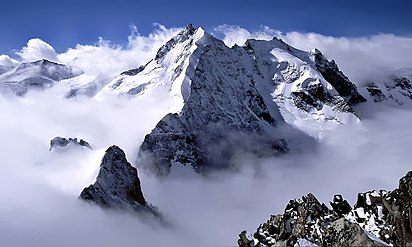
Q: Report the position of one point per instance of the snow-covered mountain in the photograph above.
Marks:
(393, 89)
(264, 98)
(258, 98)
(168, 74)
(300, 87)
(38, 75)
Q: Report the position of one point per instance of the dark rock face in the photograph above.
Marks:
(378, 218)
(340, 206)
(339, 81)
(398, 204)
(117, 185)
(63, 142)
(376, 93)
(306, 218)
(132, 72)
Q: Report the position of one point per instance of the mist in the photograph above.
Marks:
(39, 189)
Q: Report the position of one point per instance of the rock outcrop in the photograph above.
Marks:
(61, 142)
(117, 185)
(378, 218)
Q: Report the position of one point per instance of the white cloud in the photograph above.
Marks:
(40, 188)
(237, 35)
(37, 49)
(105, 59)
(7, 61)
(361, 58)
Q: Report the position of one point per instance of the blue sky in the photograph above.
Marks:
(64, 23)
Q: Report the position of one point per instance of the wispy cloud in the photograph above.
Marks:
(5, 60)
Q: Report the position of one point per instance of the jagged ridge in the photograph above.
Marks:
(379, 218)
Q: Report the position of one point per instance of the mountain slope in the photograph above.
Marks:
(311, 93)
(168, 74)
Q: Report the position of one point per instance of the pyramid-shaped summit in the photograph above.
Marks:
(117, 185)
(256, 98)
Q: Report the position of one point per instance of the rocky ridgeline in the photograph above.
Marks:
(378, 218)
(117, 186)
(61, 142)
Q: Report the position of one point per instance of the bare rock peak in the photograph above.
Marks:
(117, 185)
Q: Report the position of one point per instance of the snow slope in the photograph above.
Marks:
(169, 73)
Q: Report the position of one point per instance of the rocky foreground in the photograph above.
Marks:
(379, 218)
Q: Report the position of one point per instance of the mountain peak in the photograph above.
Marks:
(40, 62)
(40, 74)
(170, 70)
(189, 27)
(315, 51)
(117, 184)
(187, 33)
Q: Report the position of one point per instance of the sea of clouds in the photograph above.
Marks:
(39, 189)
